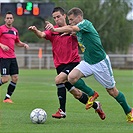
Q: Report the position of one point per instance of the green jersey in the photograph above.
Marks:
(90, 43)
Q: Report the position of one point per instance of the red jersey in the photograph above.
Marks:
(8, 37)
(64, 48)
(0, 53)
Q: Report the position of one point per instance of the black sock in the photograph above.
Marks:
(94, 105)
(61, 95)
(84, 98)
(10, 90)
(68, 85)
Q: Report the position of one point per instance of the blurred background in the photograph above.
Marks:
(113, 20)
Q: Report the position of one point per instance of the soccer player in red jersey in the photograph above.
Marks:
(9, 67)
(66, 57)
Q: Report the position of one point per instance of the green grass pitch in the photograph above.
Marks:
(36, 88)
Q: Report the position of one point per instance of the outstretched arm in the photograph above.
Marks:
(68, 28)
(39, 33)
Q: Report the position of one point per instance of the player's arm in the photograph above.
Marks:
(67, 29)
(22, 44)
(37, 32)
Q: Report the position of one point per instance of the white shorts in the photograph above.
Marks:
(102, 72)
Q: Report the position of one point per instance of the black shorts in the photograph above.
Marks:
(0, 62)
(66, 68)
(9, 66)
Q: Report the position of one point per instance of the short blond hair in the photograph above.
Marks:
(75, 11)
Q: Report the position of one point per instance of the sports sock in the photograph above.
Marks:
(122, 101)
(80, 84)
(61, 92)
(10, 89)
(94, 105)
(68, 85)
(84, 98)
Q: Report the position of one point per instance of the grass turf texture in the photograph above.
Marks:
(36, 88)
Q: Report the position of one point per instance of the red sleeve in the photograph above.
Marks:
(48, 34)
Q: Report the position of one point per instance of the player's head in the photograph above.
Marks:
(9, 18)
(75, 15)
(59, 16)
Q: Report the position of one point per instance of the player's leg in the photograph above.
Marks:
(11, 88)
(78, 94)
(74, 77)
(120, 98)
(14, 78)
(4, 79)
(60, 79)
(61, 93)
(74, 69)
(5, 63)
(106, 78)
(83, 98)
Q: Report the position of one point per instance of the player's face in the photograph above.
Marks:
(59, 19)
(73, 20)
(9, 20)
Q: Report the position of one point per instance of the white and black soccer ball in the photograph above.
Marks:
(38, 116)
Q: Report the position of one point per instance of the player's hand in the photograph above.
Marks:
(26, 46)
(49, 26)
(4, 47)
(32, 28)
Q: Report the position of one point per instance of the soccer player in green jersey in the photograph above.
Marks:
(96, 62)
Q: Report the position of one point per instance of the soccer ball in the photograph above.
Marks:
(38, 116)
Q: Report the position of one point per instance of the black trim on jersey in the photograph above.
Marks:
(10, 32)
(58, 34)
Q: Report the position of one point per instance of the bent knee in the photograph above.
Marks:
(5, 79)
(113, 92)
(15, 78)
(72, 79)
(59, 80)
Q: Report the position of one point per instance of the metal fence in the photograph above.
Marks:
(30, 61)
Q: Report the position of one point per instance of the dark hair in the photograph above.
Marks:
(75, 11)
(9, 12)
(61, 10)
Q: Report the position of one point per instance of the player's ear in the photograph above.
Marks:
(5, 20)
(64, 15)
(13, 19)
